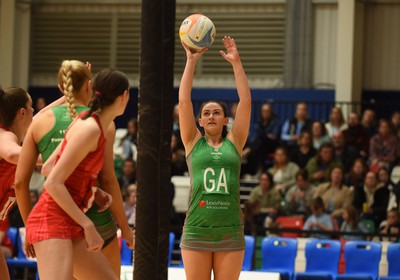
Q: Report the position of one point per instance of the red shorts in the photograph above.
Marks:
(47, 220)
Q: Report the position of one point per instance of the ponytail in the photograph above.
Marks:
(68, 88)
(71, 77)
(108, 84)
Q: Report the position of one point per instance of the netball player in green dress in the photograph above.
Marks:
(213, 238)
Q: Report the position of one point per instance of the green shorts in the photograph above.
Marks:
(104, 223)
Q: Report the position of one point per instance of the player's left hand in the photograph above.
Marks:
(232, 54)
(103, 200)
(129, 235)
(29, 250)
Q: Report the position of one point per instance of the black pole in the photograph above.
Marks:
(154, 138)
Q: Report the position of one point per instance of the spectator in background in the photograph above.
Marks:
(343, 153)
(283, 171)
(40, 104)
(175, 125)
(299, 197)
(319, 220)
(391, 225)
(5, 243)
(130, 203)
(355, 177)
(335, 194)
(336, 122)
(351, 223)
(396, 124)
(128, 175)
(368, 121)
(266, 137)
(129, 141)
(383, 147)
(178, 159)
(292, 128)
(376, 198)
(175, 119)
(34, 194)
(394, 191)
(320, 166)
(356, 135)
(233, 109)
(304, 151)
(14, 217)
(253, 221)
(267, 195)
(319, 135)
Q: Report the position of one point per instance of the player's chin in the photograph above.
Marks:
(213, 129)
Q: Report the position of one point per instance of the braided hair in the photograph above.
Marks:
(71, 77)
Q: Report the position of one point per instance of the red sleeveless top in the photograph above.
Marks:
(7, 191)
(47, 219)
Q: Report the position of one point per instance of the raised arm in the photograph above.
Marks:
(240, 129)
(81, 141)
(109, 183)
(187, 122)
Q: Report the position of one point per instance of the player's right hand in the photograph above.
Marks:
(93, 239)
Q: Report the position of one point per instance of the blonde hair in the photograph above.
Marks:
(71, 77)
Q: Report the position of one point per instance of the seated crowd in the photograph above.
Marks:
(335, 175)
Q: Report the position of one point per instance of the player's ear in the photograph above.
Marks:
(200, 122)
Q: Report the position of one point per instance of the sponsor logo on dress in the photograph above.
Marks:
(218, 204)
(216, 155)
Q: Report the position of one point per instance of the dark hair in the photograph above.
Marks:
(270, 177)
(323, 128)
(337, 166)
(325, 146)
(284, 150)
(271, 108)
(388, 123)
(354, 217)
(130, 160)
(303, 173)
(11, 100)
(108, 84)
(384, 169)
(134, 121)
(395, 210)
(224, 109)
(318, 203)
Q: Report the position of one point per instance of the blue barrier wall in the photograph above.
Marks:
(284, 100)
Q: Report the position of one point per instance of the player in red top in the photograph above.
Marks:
(16, 114)
(65, 239)
(15, 117)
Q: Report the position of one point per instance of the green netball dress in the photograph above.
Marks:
(103, 221)
(214, 220)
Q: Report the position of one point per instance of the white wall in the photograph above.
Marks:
(382, 47)
(22, 45)
(325, 38)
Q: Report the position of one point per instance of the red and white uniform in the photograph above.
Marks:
(7, 191)
(47, 219)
